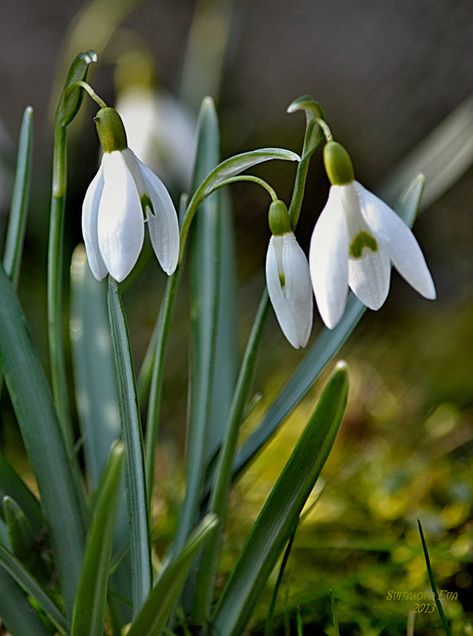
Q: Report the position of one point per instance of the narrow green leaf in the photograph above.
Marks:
(205, 257)
(282, 508)
(226, 169)
(277, 585)
(333, 606)
(17, 614)
(443, 156)
(322, 351)
(239, 163)
(89, 608)
(20, 199)
(11, 485)
(71, 100)
(33, 405)
(12, 566)
(443, 618)
(155, 612)
(94, 371)
(140, 551)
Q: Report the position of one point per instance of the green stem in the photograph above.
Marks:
(159, 341)
(325, 128)
(219, 497)
(55, 286)
(89, 90)
(312, 141)
(55, 304)
(248, 178)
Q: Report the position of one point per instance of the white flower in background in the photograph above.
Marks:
(160, 128)
(288, 278)
(161, 131)
(124, 196)
(356, 239)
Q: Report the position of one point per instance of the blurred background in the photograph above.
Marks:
(388, 75)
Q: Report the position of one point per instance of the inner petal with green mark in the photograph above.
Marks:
(363, 240)
(147, 206)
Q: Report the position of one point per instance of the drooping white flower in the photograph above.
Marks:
(124, 196)
(356, 239)
(288, 280)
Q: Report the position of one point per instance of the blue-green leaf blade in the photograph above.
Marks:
(89, 607)
(94, 372)
(34, 408)
(135, 482)
(282, 508)
(205, 255)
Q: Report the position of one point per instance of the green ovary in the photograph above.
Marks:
(361, 241)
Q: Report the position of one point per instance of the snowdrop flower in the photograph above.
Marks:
(356, 239)
(123, 197)
(161, 130)
(288, 278)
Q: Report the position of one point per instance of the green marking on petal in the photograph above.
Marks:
(282, 279)
(147, 206)
(361, 241)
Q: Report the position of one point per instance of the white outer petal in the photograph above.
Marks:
(369, 277)
(399, 241)
(163, 226)
(120, 219)
(292, 303)
(90, 210)
(328, 259)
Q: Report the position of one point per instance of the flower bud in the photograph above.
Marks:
(278, 218)
(338, 164)
(110, 130)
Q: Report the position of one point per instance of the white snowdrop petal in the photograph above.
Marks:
(287, 299)
(120, 218)
(369, 277)
(298, 287)
(400, 243)
(328, 259)
(90, 210)
(163, 226)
